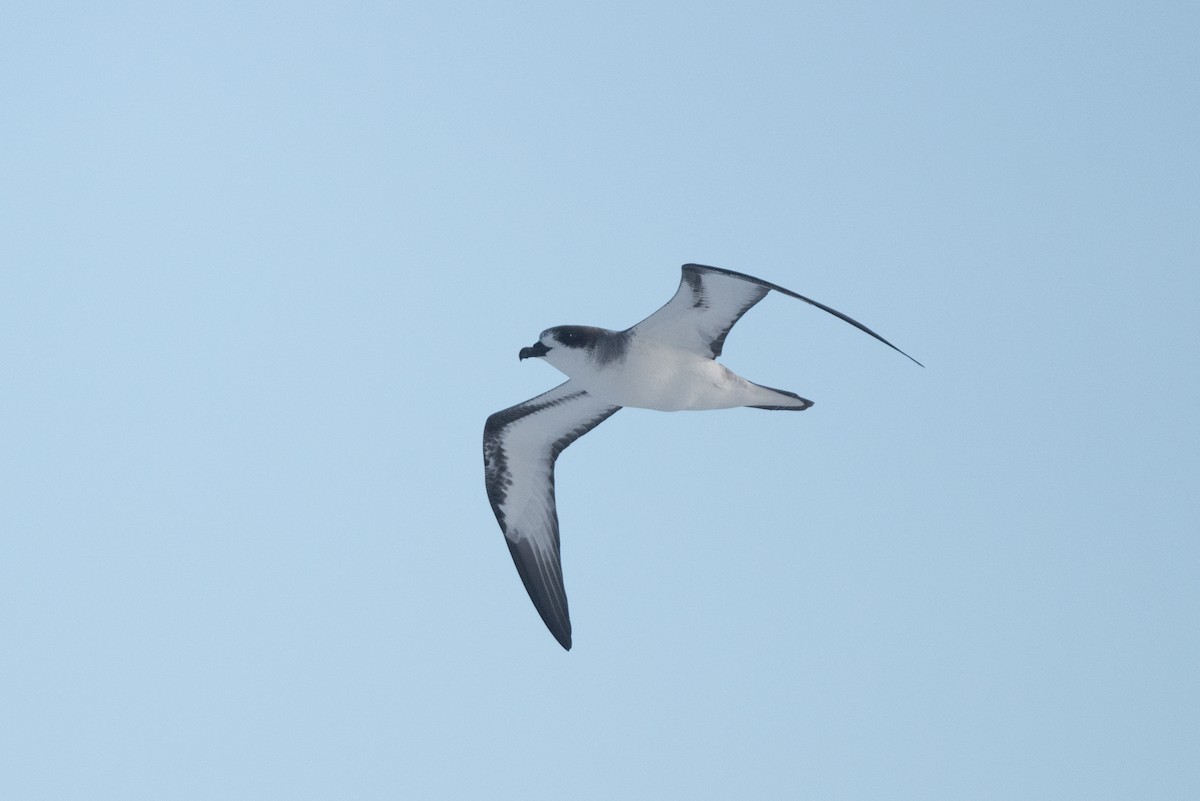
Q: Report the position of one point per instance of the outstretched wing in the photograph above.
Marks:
(708, 303)
(520, 445)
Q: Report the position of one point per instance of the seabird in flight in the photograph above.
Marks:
(665, 362)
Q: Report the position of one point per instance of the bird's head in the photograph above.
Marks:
(570, 348)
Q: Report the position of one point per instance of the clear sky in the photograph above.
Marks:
(265, 269)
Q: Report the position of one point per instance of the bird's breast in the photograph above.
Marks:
(667, 380)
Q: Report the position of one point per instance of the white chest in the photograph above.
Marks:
(667, 379)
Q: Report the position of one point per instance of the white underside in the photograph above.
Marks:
(671, 379)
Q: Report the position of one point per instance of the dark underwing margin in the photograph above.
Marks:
(718, 344)
(497, 477)
(495, 462)
(696, 284)
(524, 503)
(696, 270)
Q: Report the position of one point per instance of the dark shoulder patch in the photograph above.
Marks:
(610, 346)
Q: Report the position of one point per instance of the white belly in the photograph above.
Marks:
(671, 380)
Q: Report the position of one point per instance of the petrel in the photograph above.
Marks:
(665, 362)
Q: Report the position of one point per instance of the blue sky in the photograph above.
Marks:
(264, 272)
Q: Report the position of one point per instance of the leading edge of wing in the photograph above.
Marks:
(520, 446)
(798, 296)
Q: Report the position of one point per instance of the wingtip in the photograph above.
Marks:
(562, 634)
(784, 290)
(563, 638)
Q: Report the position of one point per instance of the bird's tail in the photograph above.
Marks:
(780, 400)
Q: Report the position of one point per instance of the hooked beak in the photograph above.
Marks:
(538, 349)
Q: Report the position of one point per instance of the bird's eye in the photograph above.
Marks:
(572, 339)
